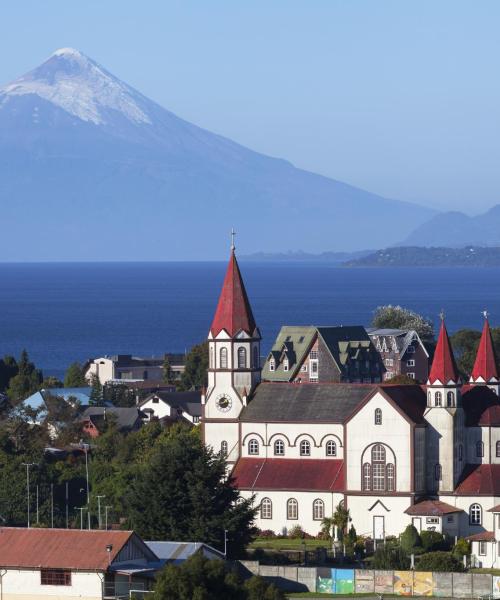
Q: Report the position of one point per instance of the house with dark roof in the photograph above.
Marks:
(402, 352)
(170, 407)
(95, 419)
(125, 368)
(68, 563)
(323, 354)
(392, 454)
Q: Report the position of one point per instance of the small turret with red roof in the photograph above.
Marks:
(485, 371)
(444, 382)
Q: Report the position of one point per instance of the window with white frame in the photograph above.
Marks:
(292, 509)
(242, 358)
(331, 448)
(438, 399)
(305, 448)
(286, 364)
(482, 548)
(303, 368)
(223, 358)
(223, 448)
(378, 416)
(389, 362)
(377, 475)
(313, 355)
(318, 510)
(367, 477)
(279, 448)
(410, 375)
(391, 477)
(266, 509)
(475, 514)
(479, 449)
(410, 362)
(497, 446)
(450, 399)
(272, 364)
(253, 446)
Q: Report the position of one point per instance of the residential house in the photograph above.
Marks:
(125, 367)
(96, 418)
(37, 564)
(323, 354)
(172, 406)
(402, 352)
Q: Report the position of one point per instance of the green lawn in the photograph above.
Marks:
(288, 544)
(487, 571)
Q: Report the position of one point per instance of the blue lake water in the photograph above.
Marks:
(65, 312)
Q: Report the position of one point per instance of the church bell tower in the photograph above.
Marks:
(234, 363)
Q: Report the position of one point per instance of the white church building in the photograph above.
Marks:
(392, 454)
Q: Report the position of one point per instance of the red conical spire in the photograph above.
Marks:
(443, 368)
(233, 310)
(485, 367)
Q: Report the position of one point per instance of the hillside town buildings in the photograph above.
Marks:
(128, 368)
(392, 454)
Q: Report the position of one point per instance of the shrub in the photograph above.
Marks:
(439, 561)
(461, 549)
(266, 533)
(297, 532)
(432, 541)
(410, 540)
(390, 557)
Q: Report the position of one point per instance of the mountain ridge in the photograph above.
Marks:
(131, 180)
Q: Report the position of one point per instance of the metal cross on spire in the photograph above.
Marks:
(486, 314)
(441, 314)
(233, 233)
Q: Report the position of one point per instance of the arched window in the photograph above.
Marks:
(438, 472)
(479, 449)
(211, 357)
(318, 510)
(223, 358)
(378, 416)
(331, 448)
(367, 476)
(429, 397)
(253, 446)
(498, 449)
(242, 358)
(450, 399)
(279, 448)
(475, 514)
(255, 357)
(378, 468)
(223, 448)
(438, 399)
(391, 478)
(266, 509)
(305, 448)
(292, 509)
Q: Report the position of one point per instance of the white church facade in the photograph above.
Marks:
(392, 454)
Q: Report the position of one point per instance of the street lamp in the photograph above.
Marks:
(28, 465)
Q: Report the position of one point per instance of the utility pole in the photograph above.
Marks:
(99, 509)
(106, 516)
(85, 448)
(81, 509)
(28, 465)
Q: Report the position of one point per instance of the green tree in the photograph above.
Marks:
(433, 540)
(96, 393)
(168, 376)
(461, 548)
(339, 519)
(8, 369)
(410, 540)
(201, 579)
(26, 382)
(439, 561)
(196, 368)
(188, 496)
(51, 382)
(75, 376)
(397, 317)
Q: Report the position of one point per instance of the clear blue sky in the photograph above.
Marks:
(399, 97)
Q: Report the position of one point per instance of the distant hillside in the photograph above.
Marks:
(412, 256)
(300, 256)
(456, 230)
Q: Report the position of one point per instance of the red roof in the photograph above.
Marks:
(60, 548)
(233, 310)
(443, 368)
(480, 479)
(484, 536)
(485, 366)
(495, 509)
(431, 508)
(290, 474)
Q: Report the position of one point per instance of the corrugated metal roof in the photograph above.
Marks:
(479, 479)
(60, 548)
(177, 552)
(290, 474)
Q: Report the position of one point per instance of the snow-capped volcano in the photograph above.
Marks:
(80, 86)
(90, 169)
